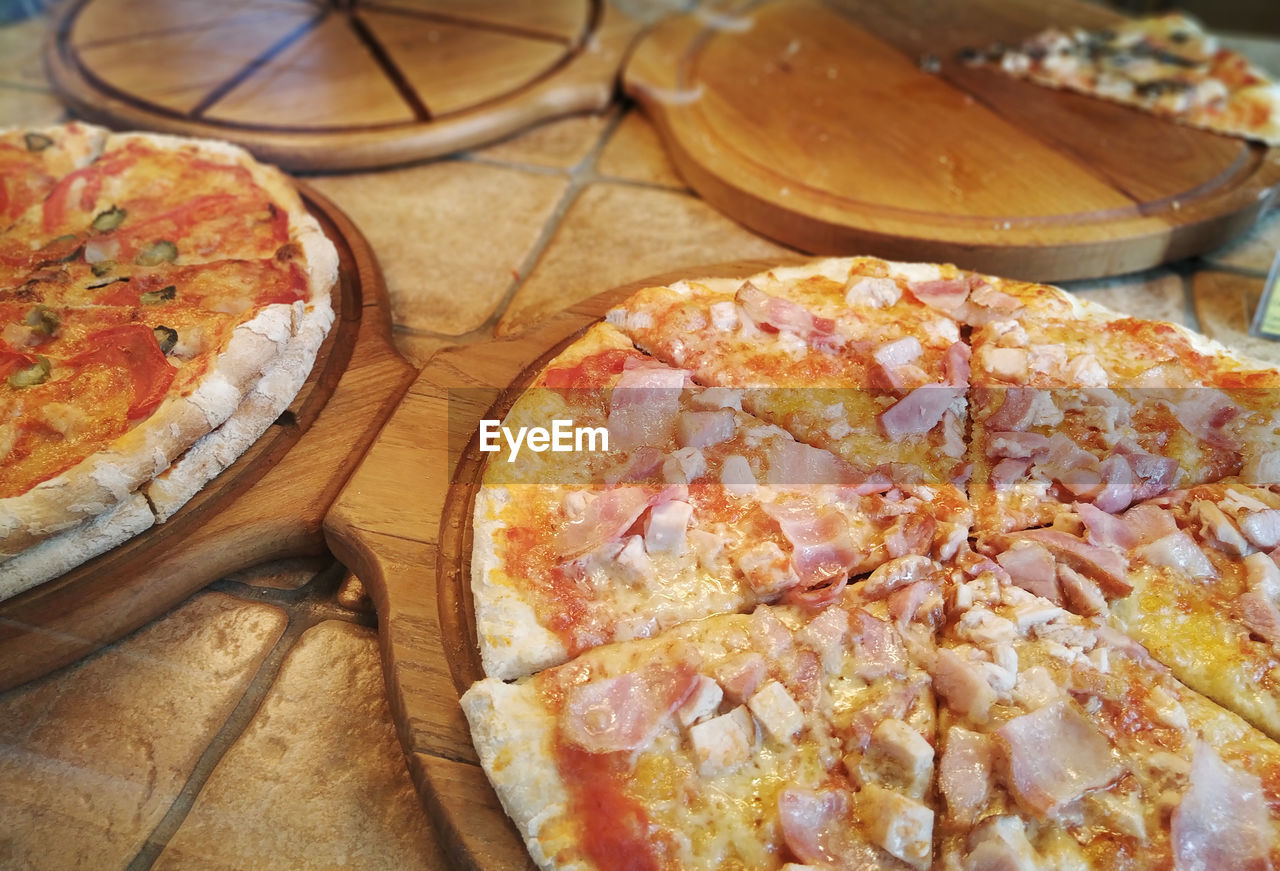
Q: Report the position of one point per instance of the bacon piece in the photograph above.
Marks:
(1055, 756)
(826, 634)
(1105, 566)
(1154, 475)
(740, 675)
(880, 651)
(1031, 567)
(906, 602)
(1203, 412)
(1106, 530)
(965, 773)
(815, 823)
(774, 314)
(643, 405)
(963, 686)
(1218, 529)
(1259, 614)
(1008, 471)
(1149, 522)
(955, 364)
(945, 295)
(625, 712)
(1118, 485)
(822, 548)
(607, 516)
(917, 412)
(909, 534)
(795, 464)
(1221, 823)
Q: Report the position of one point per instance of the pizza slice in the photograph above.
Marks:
(1063, 744)
(1072, 402)
(783, 738)
(1191, 575)
(1165, 64)
(681, 505)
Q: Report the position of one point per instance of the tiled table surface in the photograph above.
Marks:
(248, 728)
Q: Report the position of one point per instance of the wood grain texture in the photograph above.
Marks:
(403, 525)
(814, 123)
(341, 84)
(269, 504)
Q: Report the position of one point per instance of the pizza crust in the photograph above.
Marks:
(515, 751)
(61, 553)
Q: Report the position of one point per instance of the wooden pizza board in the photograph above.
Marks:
(814, 123)
(268, 505)
(337, 84)
(403, 525)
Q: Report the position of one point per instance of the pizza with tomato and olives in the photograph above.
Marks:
(884, 565)
(161, 302)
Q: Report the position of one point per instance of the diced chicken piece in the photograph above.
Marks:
(873, 292)
(574, 505)
(1036, 688)
(767, 569)
(684, 466)
(1046, 359)
(712, 398)
(1123, 812)
(1081, 594)
(1055, 756)
(703, 429)
(723, 743)
(900, 826)
(67, 420)
(963, 686)
(724, 315)
(777, 711)
(1007, 364)
(896, 573)
(741, 675)
(665, 530)
(899, 757)
(1027, 615)
(827, 634)
(899, 352)
(1262, 528)
(1218, 529)
(1031, 567)
(965, 773)
(635, 562)
(985, 628)
(708, 546)
(1000, 844)
(1168, 710)
(736, 475)
(1180, 552)
(1262, 576)
(905, 604)
(1260, 467)
(702, 702)
(1084, 370)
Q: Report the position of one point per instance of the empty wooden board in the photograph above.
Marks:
(817, 124)
(338, 84)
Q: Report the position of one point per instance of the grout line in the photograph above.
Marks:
(305, 607)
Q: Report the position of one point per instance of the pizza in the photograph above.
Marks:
(1026, 620)
(1165, 64)
(162, 301)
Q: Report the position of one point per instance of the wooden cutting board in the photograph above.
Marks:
(268, 505)
(814, 123)
(337, 84)
(403, 525)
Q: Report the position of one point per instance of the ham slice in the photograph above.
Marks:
(1105, 566)
(1149, 522)
(1260, 615)
(917, 412)
(1015, 412)
(879, 650)
(608, 515)
(1221, 823)
(1106, 530)
(795, 464)
(955, 364)
(702, 429)
(625, 712)
(965, 773)
(817, 829)
(822, 547)
(774, 314)
(1055, 756)
(945, 295)
(1032, 567)
(1009, 471)
(643, 406)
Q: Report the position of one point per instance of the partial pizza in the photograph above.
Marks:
(162, 300)
(880, 565)
(1166, 64)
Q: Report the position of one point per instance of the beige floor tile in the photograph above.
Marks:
(559, 144)
(1253, 251)
(602, 243)
(21, 45)
(451, 236)
(22, 106)
(635, 152)
(286, 574)
(312, 785)
(92, 757)
(1156, 294)
(1225, 303)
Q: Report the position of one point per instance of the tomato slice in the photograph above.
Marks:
(134, 349)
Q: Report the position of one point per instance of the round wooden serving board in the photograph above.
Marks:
(814, 123)
(403, 525)
(269, 504)
(337, 84)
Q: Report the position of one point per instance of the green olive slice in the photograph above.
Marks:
(42, 319)
(110, 219)
(36, 373)
(155, 297)
(167, 337)
(160, 251)
(37, 141)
